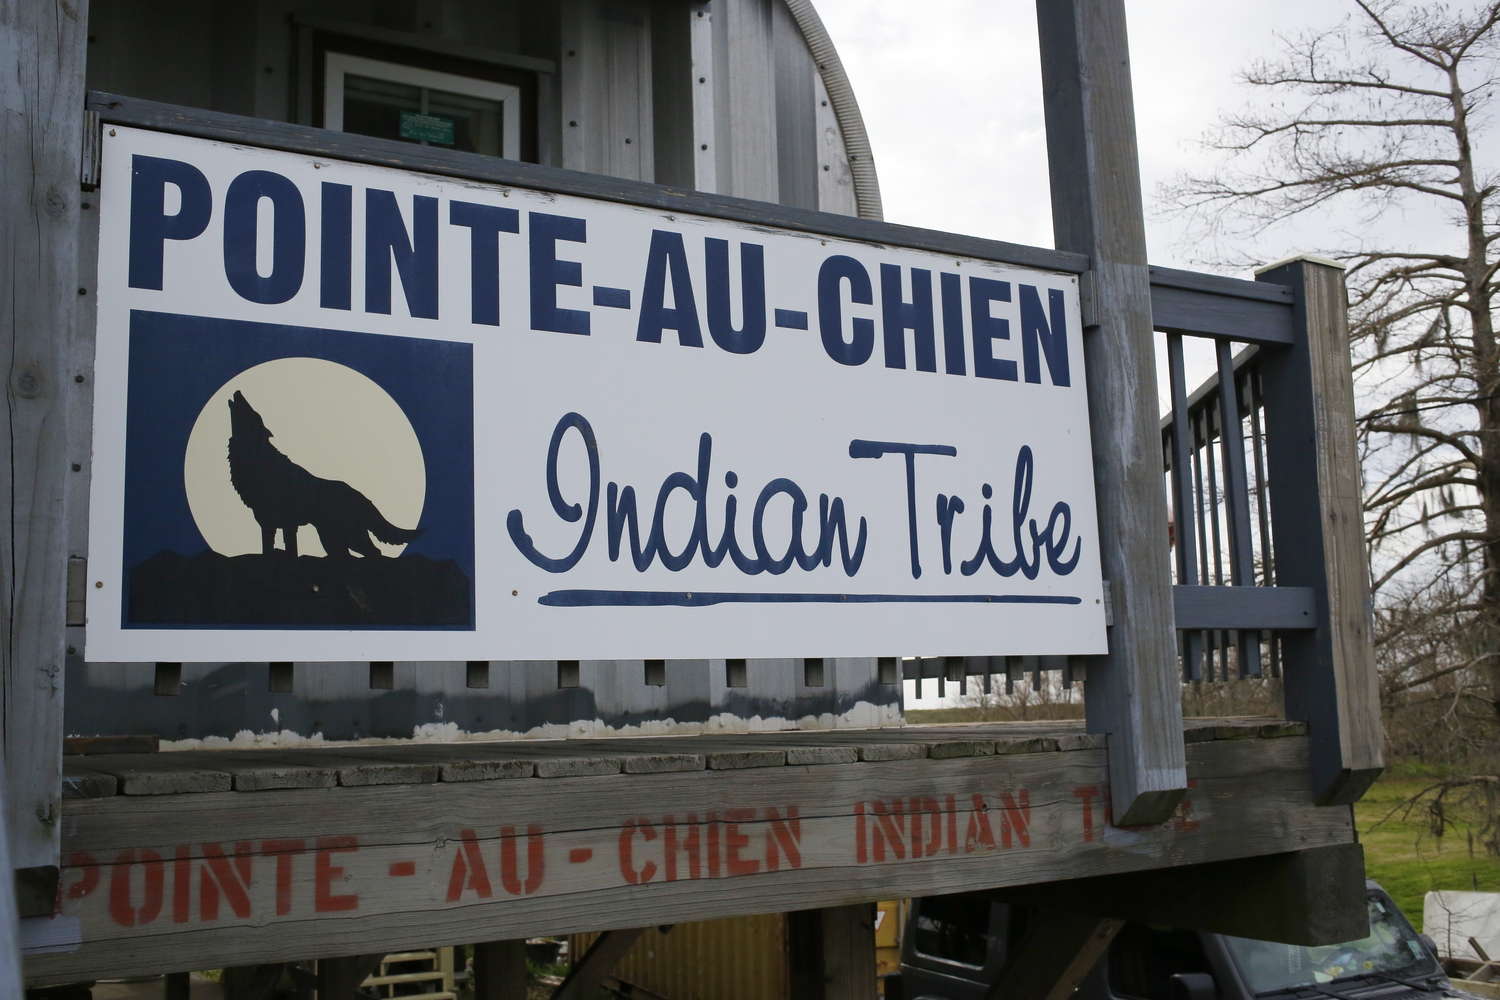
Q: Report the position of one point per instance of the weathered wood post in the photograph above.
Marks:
(42, 49)
(849, 952)
(1317, 517)
(1133, 693)
(831, 953)
(500, 970)
(10, 935)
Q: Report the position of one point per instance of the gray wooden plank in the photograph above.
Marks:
(264, 779)
(82, 783)
(892, 751)
(474, 760)
(390, 764)
(162, 774)
(1204, 314)
(356, 773)
(43, 50)
(1279, 729)
(1201, 607)
(735, 759)
(118, 109)
(573, 767)
(949, 749)
(1134, 693)
(428, 812)
(285, 768)
(659, 763)
(487, 770)
(1250, 799)
(1220, 285)
(1027, 744)
(798, 756)
(1317, 520)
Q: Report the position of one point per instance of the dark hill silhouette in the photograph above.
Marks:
(212, 589)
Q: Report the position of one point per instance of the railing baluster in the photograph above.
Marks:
(1200, 504)
(1217, 546)
(1267, 559)
(1183, 499)
(1236, 498)
(1258, 443)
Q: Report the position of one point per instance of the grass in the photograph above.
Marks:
(1407, 860)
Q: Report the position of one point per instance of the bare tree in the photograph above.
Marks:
(1377, 120)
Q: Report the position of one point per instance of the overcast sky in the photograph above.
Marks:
(951, 95)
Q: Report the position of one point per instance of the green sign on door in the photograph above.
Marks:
(426, 128)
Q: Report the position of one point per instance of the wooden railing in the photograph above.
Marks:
(1262, 474)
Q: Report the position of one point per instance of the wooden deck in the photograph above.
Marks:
(200, 859)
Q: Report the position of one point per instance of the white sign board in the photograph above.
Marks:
(346, 412)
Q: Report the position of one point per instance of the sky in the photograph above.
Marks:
(951, 96)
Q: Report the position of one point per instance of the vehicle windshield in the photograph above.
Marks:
(1391, 948)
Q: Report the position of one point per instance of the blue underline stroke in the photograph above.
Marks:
(697, 599)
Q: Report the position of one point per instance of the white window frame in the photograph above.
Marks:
(339, 65)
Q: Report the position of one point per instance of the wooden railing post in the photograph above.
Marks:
(500, 970)
(831, 953)
(1133, 694)
(42, 48)
(1317, 519)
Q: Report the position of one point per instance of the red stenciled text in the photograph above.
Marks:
(927, 826)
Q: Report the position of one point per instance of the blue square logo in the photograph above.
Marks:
(296, 478)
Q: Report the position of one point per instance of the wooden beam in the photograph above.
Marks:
(1201, 313)
(1206, 607)
(1057, 950)
(1133, 693)
(500, 970)
(831, 953)
(849, 952)
(393, 866)
(599, 961)
(1313, 456)
(42, 47)
(1314, 897)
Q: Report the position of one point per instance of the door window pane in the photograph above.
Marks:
(427, 107)
(385, 109)
(373, 107)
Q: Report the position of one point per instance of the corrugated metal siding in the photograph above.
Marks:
(431, 699)
(743, 958)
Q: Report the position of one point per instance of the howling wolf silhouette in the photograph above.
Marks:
(282, 494)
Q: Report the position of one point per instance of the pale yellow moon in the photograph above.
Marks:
(327, 418)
